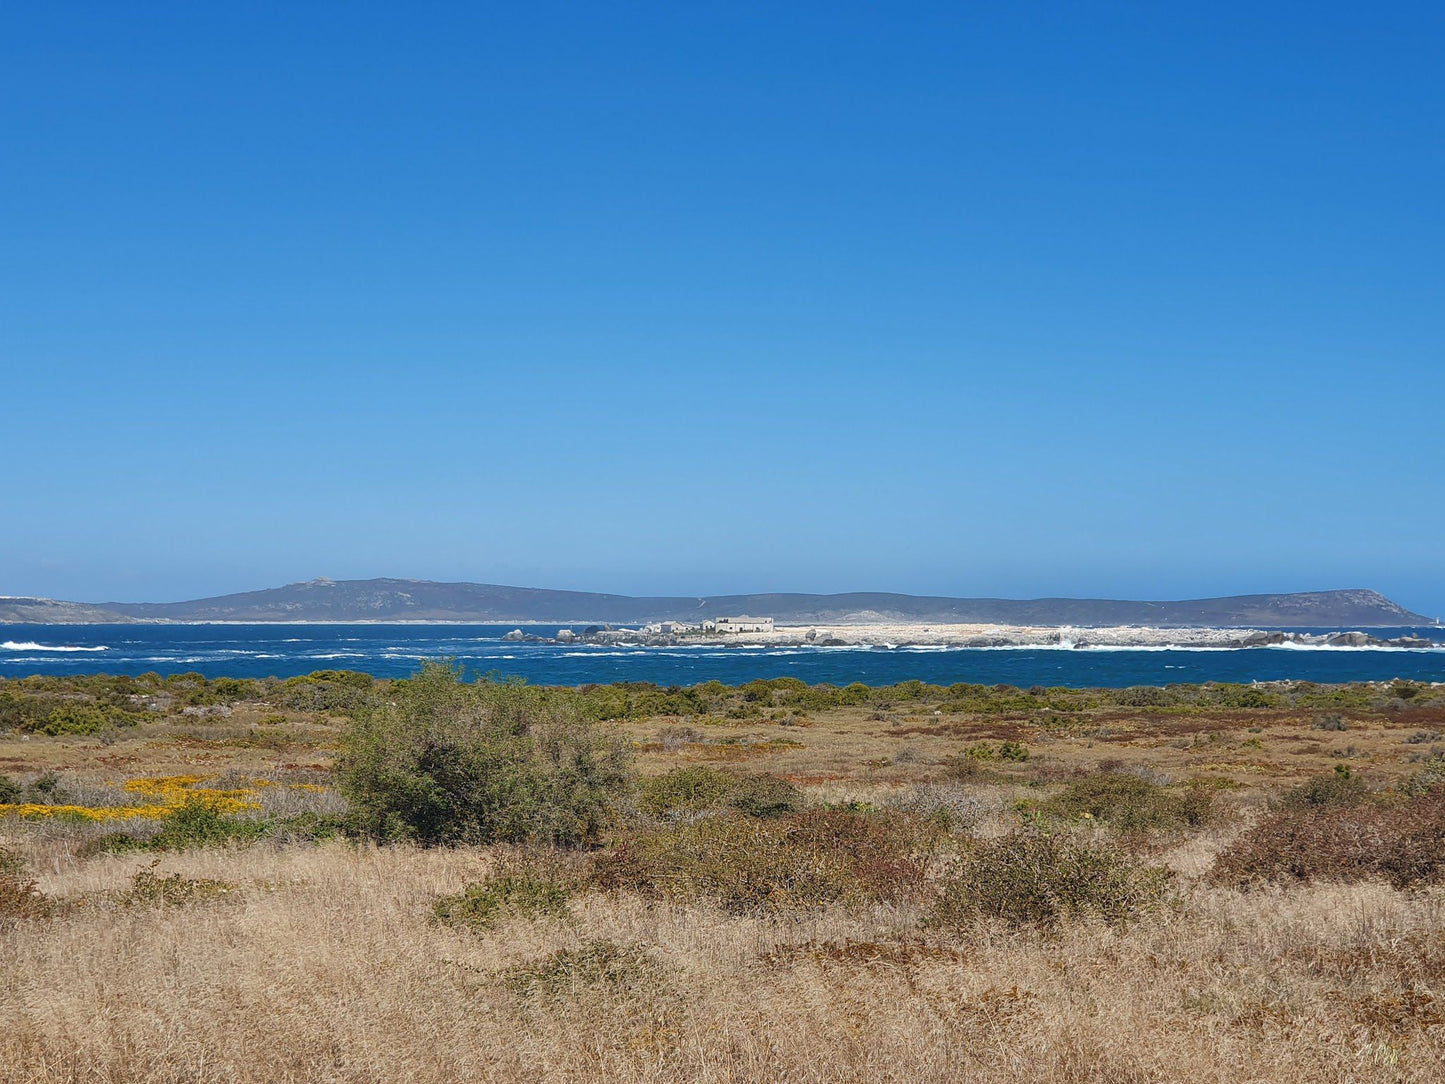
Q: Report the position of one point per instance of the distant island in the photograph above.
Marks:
(396, 600)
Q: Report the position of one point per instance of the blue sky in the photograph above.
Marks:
(1127, 300)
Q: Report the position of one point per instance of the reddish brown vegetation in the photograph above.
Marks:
(1401, 841)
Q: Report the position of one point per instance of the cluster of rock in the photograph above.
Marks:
(1331, 639)
(592, 634)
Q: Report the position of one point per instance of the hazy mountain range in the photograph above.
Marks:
(383, 600)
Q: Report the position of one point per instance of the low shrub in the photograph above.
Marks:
(71, 717)
(527, 888)
(699, 789)
(149, 889)
(596, 965)
(948, 804)
(1428, 777)
(1009, 750)
(10, 791)
(1330, 721)
(1130, 803)
(44, 788)
(800, 862)
(196, 822)
(675, 737)
(1039, 879)
(960, 767)
(21, 900)
(1143, 696)
(1340, 787)
(308, 826)
(1400, 841)
(10, 862)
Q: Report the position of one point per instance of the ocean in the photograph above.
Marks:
(399, 650)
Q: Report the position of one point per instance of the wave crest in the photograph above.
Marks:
(27, 645)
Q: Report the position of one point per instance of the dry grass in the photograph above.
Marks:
(325, 966)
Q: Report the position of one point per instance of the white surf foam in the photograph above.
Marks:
(26, 645)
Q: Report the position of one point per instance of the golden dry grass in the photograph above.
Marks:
(324, 966)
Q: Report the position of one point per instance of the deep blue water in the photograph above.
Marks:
(398, 650)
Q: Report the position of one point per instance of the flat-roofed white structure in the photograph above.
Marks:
(743, 624)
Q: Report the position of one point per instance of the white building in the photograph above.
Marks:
(743, 624)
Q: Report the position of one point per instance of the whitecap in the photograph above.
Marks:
(27, 645)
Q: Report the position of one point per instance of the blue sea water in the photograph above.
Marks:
(398, 650)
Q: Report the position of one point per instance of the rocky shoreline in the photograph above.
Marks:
(979, 636)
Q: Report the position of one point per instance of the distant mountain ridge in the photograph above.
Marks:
(382, 600)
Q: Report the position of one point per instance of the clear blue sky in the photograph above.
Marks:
(1141, 300)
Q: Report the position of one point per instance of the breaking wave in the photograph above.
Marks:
(26, 645)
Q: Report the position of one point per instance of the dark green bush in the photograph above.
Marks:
(43, 788)
(10, 791)
(765, 795)
(442, 762)
(1037, 879)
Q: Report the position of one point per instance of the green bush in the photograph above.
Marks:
(10, 791)
(1129, 803)
(1037, 879)
(443, 762)
(72, 717)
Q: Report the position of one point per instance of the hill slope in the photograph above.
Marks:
(425, 600)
